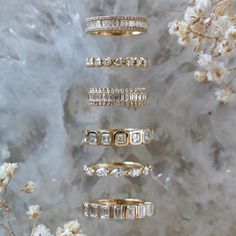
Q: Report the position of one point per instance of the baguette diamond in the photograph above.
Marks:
(116, 25)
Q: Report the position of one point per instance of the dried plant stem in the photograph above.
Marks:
(34, 226)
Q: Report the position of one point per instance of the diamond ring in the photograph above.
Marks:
(117, 137)
(120, 209)
(117, 169)
(135, 97)
(117, 61)
(116, 25)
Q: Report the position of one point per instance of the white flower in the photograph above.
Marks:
(230, 34)
(29, 187)
(34, 212)
(7, 170)
(220, 25)
(205, 60)
(203, 3)
(173, 27)
(218, 74)
(72, 228)
(193, 14)
(42, 230)
(224, 95)
(200, 76)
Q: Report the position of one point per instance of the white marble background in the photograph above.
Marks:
(43, 107)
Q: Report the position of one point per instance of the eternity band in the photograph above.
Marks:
(117, 169)
(116, 25)
(120, 209)
(135, 97)
(117, 137)
(117, 61)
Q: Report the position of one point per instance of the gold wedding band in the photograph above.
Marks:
(117, 137)
(117, 169)
(116, 25)
(117, 61)
(120, 209)
(134, 97)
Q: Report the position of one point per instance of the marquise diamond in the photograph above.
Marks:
(101, 172)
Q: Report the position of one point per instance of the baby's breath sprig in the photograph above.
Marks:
(210, 26)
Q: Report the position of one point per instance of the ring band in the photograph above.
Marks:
(118, 62)
(120, 209)
(117, 169)
(135, 97)
(117, 137)
(116, 25)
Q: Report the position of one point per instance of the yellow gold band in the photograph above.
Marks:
(117, 137)
(123, 209)
(134, 97)
(117, 169)
(117, 61)
(116, 25)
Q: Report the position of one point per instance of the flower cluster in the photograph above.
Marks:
(7, 172)
(210, 25)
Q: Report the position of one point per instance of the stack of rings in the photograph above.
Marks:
(117, 137)
(117, 169)
(116, 25)
(120, 209)
(135, 97)
(131, 97)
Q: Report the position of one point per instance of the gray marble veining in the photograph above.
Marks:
(43, 104)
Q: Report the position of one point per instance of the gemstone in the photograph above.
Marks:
(98, 61)
(134, 96)
(147, 136)
(149, 209)
(105, 212)
(118, 173)
(118, 212)
(92, 138)
(84, 137)
(93, 210)
(129, 61)
(146, 170)
(135, 172)
(136, 138)
(90, 61)
(130, 212)
(118, 61)
(121, 138)
(106, 139)
(89, 171)
(101, 172)
(141, 211)
(107, 61)
(86, 209)
(141, 62)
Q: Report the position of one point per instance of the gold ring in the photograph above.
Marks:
(135, 97)
(120, 209)
(117, 137)
(117, 169)
(116, 25)
(117, 61)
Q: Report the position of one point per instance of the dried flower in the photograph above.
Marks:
(203, 3)
(224, 95)
(200, 76)
(34, 212)
(7, 170)
(29, 187)
(42, 230)
(72, 228)
(211, 27)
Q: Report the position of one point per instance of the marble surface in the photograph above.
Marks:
(43, 104)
